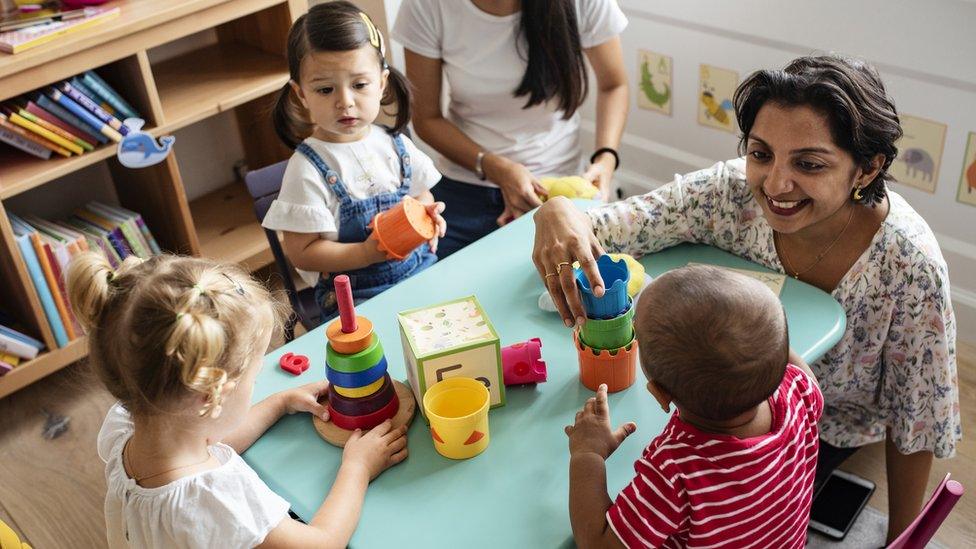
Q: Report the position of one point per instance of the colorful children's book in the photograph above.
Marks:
(49, 265)
(133, 235)
(88, 140)
(22, 337)
(108, 93)
(115, 234)
(82, 113)
(113, 249)
(43, 132)
(24, 144)
(11, 346)
(77, 83)
(12, 360)
(58, 131)
(16, 41)
(97, 239)
(23, 232)
(49, 105)
(31, 136)
(143, 228)
(89, 103)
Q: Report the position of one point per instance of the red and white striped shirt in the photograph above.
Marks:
(705, 490)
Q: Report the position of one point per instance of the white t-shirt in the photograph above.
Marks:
(483, 65)
(368, 167)
(224, 507)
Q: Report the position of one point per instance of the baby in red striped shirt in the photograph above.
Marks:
(734, 466)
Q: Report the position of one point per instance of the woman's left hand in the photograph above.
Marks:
(306, 399)
(440, 225)
(600, 174)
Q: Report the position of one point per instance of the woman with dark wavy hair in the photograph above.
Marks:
(810, 200)
(516, 77)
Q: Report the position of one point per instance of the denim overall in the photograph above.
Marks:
(354, 216)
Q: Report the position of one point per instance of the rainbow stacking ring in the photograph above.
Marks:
(363, 406)
(361, 391)
(351, 343)
(358, 379)
(357, 362)
(367, 421)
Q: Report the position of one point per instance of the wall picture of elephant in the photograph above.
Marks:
(919, 153)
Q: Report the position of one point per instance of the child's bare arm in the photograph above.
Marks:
(310, 252)
(364, 457)
(797, 360)
(264, 414)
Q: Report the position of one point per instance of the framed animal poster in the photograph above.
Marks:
(967, 182)
(654, 90)
(715, 89)
(919, 153)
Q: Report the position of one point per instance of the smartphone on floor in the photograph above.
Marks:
(838, 503)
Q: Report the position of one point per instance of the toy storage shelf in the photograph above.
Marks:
(240, 73)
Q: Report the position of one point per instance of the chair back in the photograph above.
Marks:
(921, 530)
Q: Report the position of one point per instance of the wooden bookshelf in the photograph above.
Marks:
(240, 73)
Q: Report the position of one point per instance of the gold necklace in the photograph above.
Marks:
(128, 465)
(820, 256)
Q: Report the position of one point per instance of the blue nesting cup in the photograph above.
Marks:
(615, 301)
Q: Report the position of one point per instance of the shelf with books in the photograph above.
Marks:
(45, 364)
(227, 228)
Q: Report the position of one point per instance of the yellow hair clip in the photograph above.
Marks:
(375, 38)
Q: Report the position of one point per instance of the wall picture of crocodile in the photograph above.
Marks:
(139, 149)
(919, 153)
(655, 87)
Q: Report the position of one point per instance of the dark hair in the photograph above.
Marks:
(555, 59)
(332, 26)
(863, 120)
(715, 340)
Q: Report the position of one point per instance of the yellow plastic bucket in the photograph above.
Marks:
(457, 409)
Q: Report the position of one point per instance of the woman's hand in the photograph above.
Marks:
(376, 451)
(306, 399)
(592, 432)
(563, 234)
(600, 174)
(520, 189)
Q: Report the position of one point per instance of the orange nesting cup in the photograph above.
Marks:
(399, 230)
(616, 367)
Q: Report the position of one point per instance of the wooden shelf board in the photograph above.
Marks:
(214, 79)
(227, 228)
(45, 364)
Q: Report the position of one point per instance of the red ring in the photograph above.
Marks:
(369, 420)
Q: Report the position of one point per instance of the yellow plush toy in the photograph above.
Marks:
(571, 186)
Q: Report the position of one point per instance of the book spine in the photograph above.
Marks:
(49, 105)
(31, 136)
(45, 133)
(153, 245)
(83, 114)
(10, 332)
(89, 93)
(43, 292)
(109, 94)
(12, 360)
(87, 138)
(17, 348)
(25, 145)
(56, 130)
(92, 107)
(43, 253)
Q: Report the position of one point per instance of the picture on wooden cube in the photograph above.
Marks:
(451, 339)
(716, 86)
(655, 88)
(967, 181)
(919, 153)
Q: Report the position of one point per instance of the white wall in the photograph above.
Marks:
(926, 52)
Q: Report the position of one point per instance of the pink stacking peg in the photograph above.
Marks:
(347, 308)
(522, 362)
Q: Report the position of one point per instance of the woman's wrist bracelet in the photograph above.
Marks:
(601, 150)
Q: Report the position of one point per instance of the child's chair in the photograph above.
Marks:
(264, 185)
(921, 530)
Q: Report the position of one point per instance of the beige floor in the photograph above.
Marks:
(51, 491)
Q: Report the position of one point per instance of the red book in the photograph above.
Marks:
(31, 136)
(77, 132)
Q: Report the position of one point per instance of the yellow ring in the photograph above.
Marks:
(360, 392)
(559, 266)
(551, 274)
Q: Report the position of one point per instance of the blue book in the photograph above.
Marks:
(108, 94)
(21, 337)
(82, 113)
(50, 106)
(77, 84)
(90, 104)
(22, 232)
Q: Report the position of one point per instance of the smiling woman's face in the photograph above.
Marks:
(797, 173)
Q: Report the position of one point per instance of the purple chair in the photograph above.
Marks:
(264, 185)
(921, 530)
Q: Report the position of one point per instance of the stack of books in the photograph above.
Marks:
(48, 246)
(67, 119)
(15, 347)
(60, 24)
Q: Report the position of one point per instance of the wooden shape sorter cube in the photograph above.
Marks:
(451, 339)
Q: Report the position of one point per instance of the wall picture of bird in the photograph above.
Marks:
(715, 89)
(655, 88)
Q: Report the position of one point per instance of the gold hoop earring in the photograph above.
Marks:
(857, 194)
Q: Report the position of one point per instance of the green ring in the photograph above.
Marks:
(351, 364)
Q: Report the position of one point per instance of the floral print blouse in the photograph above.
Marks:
(895, 366)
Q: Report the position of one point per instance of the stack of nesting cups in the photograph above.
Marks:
(361, 393)
(606, 344)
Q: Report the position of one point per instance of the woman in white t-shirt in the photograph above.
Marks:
(516, 78)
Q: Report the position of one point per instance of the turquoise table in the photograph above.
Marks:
(515, 494)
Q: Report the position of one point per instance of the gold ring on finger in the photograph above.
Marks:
(559, 267)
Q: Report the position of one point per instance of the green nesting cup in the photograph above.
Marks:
(610, 334)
